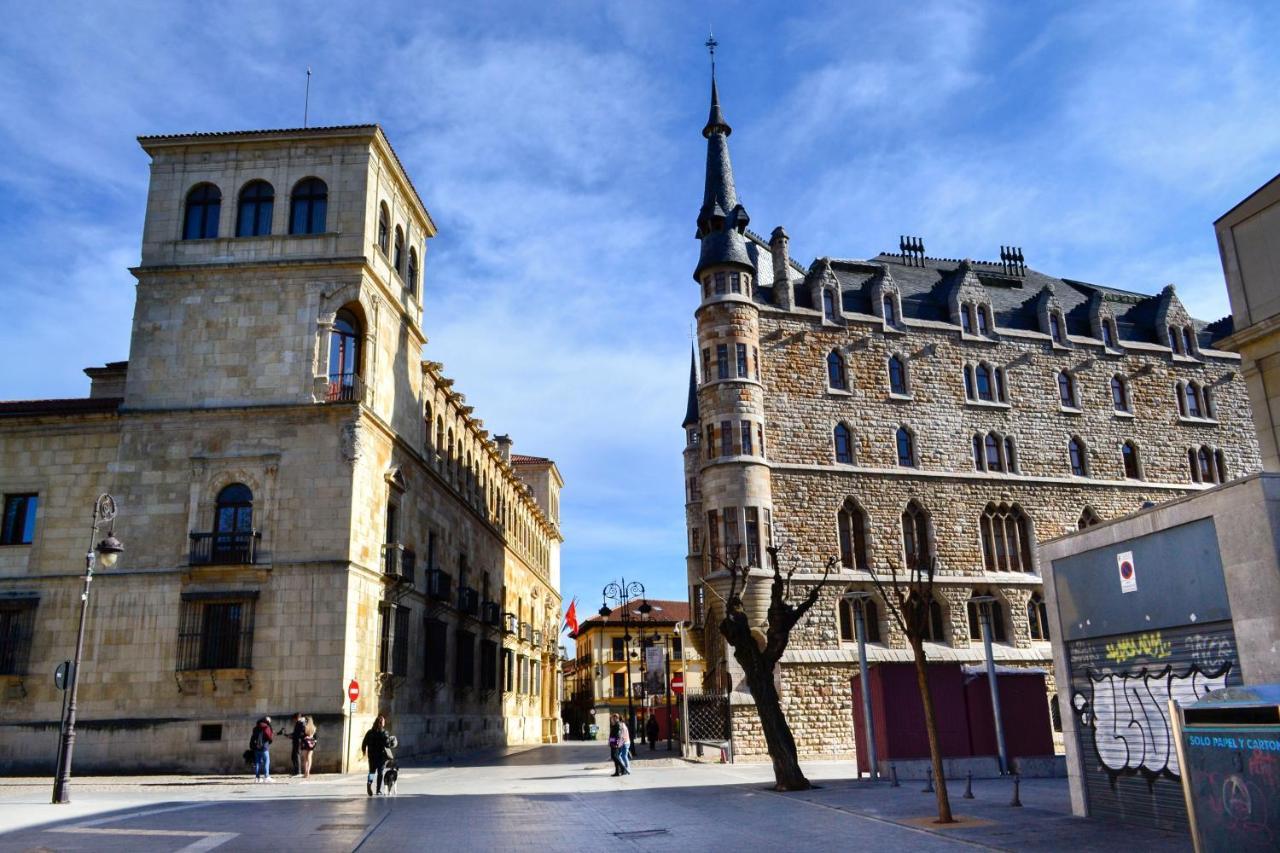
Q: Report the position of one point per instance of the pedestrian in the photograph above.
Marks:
(298, 732)
(613, 745)
(376, 746)
(651, 729)
(624, 747)
(260, 745)
(308, 745)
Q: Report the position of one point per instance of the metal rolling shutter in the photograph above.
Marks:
(1120, 687)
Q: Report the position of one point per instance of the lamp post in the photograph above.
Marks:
(108, 550)
(984, 610)
(623, 593)
(858, 599)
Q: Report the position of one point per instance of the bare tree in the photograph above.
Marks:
(909, 604)
(758, 654)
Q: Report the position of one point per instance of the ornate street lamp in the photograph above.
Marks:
(108, 551)
(623, 594)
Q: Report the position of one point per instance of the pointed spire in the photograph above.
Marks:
(691, 409)
(722, 219)
(715, 119)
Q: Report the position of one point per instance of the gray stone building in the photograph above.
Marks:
(303, 499)
(906, 408)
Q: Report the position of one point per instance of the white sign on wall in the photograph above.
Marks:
(1128, 575)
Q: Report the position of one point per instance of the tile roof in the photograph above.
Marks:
(72, 406)
(664, 612)
(521, 459)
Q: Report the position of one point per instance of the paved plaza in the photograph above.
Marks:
(550, 798)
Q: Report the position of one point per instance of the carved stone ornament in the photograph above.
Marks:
(352, 441)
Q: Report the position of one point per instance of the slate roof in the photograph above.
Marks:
(722, 219)
(691, 408)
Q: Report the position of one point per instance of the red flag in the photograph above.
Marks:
(571, 617)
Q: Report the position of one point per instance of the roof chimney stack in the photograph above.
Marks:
(504, 446)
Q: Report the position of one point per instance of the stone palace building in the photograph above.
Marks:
(904, 408)
(303, 500)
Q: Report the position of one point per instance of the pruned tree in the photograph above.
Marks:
(911, 600)
(758, 653)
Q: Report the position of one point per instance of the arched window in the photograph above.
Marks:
(1108, 335)
(1010, 459)
(344, 356)
(1006, 539)
(897, 375)
(844, 445)
(890, 313)
(1180, 396)
(968, 383)
(1038, 617)
(1192, 392)
(233, 525)
(1207, 399)
(1002, 393)
(397, 252)
(828, 304)
(1220, 458)
(906, 448)
(1088, 518)
(1067, 389)
(384, 228)
(1194, 464)
(852, 523)
(982, 379)
(412, 277)
(978, 459)
(966, 325)
(253, 217)
(308, 207)
(204, 205)
(1119, 394)
(996, 609)
(1055, 327)
(870, 617)
(984, 326)
(994, 462)
(933, 628)
(1132, 466)
(439, 439)
(915, 537)
(1188, 341)
(1205, 459)
(835, 371)
(1079, 460)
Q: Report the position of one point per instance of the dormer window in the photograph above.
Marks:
(828, 305)
(1108, 334)
(1188, 341)
(1175, 340)
(966, 325)
(1055, 328)
(983, 325)
(890, 312)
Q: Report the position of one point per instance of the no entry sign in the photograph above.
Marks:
(353, 690)
(677, 683)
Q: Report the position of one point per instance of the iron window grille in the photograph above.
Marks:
(393, 650)
(438, 584)
(225, 548)
(464, 671)
(399, 562)
(215, 631)
(469, 600)
(17, 624)
(436, 650)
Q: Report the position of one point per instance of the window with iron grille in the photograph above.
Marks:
(215, 631)
(508, 670)
(436, 639)
(17, 623)
(488, 665)
(464, 659)
(393, 648)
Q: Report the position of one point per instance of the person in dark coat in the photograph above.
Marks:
(260, 744)
(651, 730)
(298, 735)
(375, 746)
(614, 756)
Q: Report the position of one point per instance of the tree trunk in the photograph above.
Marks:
(931, 729)
(787, 775)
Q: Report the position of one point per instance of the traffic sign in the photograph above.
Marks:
(677, 683)
(1128, 574)
(61, 674)
(353, 690)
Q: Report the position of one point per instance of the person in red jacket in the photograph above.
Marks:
(260, 745)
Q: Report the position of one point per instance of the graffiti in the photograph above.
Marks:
(1129, 715)
(1210, 650)
(1148, 645)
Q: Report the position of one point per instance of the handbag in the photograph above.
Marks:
(613, 743)
(309, 742)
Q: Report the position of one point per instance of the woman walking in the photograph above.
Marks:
(624, 747)
(375, 747)
(618, 769)
(260, 745)
(308, 745)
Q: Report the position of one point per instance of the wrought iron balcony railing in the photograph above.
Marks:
(399, 562)
(345, 388)
(469, 600)
(438, 584)
(224, 549)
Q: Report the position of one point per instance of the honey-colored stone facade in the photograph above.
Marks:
(372, 496)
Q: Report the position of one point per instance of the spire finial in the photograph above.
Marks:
(711, 44)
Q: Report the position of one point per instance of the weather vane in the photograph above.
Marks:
(711, 44)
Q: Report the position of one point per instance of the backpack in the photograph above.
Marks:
(255, 739)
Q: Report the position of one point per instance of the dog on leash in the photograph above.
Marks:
(389, 775)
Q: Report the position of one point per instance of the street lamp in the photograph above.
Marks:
(623, 593)
(858, 599)
(984, 610)
(108, 551)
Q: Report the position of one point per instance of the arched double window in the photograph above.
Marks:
(906, 448)
(993, 452)
(1207, 465)
(1078, 458)
(1119, 393)
(1006, 539)
(1132, 464)
(996, 611)
(253, 216)
(1067, 390)
(844, 444)
(344, 357)
(851, 523)
(983, 383)
(897, 375)
(933, 628)
(384, 228)
(204, 206)
(1038, 617)
(397, 252)
(308, 207)
(412, 278)
(233, 525)
(870, 617)
(836, 377)
(915, 537)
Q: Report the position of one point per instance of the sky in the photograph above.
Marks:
(558, 147)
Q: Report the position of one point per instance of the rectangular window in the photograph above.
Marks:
(535, 677)
(19, 519)
(731, 540)
(722, 361)
(735, 282)
(719, 282)
(17, 624)
(713, 534)
(431, 551)
(711, 441)
(753, 536)
(760, 437)
(508, 670)
(726, 438)
(741, 350)
(464, 659)
(215, 631)
(393, 648)
(435, 651)
(488, 665)
(695, 541)
(706, 285)
(768, 529)
(746, 438)
(677, 648)
(706, 363)
(619, 649)
(755, 355)
(699, 604)
(620, 685)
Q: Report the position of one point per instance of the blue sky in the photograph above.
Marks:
(557, 146)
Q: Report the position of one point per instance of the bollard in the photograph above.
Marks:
(1017, 801)
(968, 787)
(893, 775)
(928, 784)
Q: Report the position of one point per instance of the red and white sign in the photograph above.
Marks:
(1128, 574)
(677, 683)
(353, 690)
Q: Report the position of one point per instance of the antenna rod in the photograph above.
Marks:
(306, 102)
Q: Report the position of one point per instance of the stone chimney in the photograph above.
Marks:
(504, 446)
(107, 381)
(783, 296)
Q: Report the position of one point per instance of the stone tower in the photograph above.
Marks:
(736, 502)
